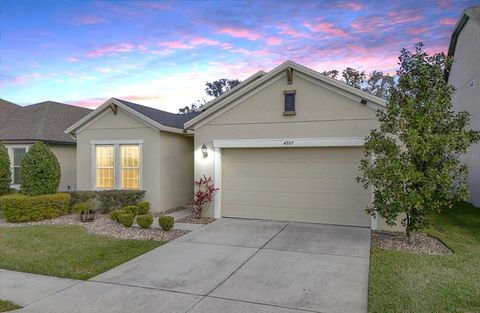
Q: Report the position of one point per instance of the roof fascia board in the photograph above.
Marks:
(219, 110)
(101, 111)
(232, 91)
(353, 97)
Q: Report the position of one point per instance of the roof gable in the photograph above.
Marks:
(326, 82)
(472, 13)
(157, 119)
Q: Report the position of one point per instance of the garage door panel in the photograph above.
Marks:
(293, 184)
(324, 199)
(308, 215)
(300, 184)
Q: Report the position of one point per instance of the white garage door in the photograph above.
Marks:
(297, 184)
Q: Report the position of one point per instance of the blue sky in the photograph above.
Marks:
(161, 53)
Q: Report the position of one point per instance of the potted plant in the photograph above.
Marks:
(85, 211)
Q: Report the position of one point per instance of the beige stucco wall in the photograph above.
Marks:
(320, 112)
(156, 174)
(67, 157)
(464, 72)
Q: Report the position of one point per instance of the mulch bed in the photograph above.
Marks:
(190, 220)
(103, 225)
(398, 241)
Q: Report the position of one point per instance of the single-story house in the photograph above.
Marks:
(21, 127)
(123, 145)
(282, 145)
(465, 77)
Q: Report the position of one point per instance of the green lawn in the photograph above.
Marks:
(65, 250)
(408, 282)
(7, 306)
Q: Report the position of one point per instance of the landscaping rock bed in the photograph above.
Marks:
(398, 241)
(190, 220)
(103, 225)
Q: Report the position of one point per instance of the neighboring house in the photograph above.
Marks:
(123, 145)
(21, 127)
(465, 77)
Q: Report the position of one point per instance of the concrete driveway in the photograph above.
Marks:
(234, 265)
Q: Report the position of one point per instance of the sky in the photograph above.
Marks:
(161, 53)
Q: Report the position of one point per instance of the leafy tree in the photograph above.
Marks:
(5, 173)
(332, 74)
(353, 77)
(411, 160)
(193, 106)
(39, 171)
(219, 87)
(379, 84)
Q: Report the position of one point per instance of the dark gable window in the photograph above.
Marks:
(289, 102)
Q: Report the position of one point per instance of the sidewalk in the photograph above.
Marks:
(24, 288)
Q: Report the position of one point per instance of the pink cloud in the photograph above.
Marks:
(287, 30)
(273, 41)
(90, 20)
(90, 103)
(240, 33)
(416, 30)
(175, 45)
(203, 41)
(448, 21)
(403, 17)
(354, 6)
(252, 52)
(111, 49)
(327, 28)
(73, 59)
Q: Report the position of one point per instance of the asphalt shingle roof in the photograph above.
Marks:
(165, 118)
(45, 121)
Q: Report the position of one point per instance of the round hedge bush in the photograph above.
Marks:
(5, 173)
(131, 209)
(145, 220)
(143, 207)
(115, 214)
(39, 171)
(166, 222)
(126, 219)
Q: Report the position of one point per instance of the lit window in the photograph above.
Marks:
(130, 172)
(18, 154)
(105, 170)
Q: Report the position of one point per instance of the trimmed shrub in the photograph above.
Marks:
(145, 220)
(131, 209)
(126, 219)
(23, 208)
(166, 222)
(39, 171)
(5, 173)
(105, 201)
(143, 207)
(114, 214)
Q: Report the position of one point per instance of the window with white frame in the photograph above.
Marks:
(118, 166)
(16, 154)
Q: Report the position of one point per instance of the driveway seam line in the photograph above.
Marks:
(270, 305)
(53, 293)
(324, 253)
(248, 259)
(145, 287)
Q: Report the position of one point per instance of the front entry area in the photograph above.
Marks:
(294, 184)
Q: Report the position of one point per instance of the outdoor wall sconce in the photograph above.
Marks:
(204, 150)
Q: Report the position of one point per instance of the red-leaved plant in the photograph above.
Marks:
(203, 196)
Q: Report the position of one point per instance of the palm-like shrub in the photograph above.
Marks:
(5, 173)
(39, 171)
